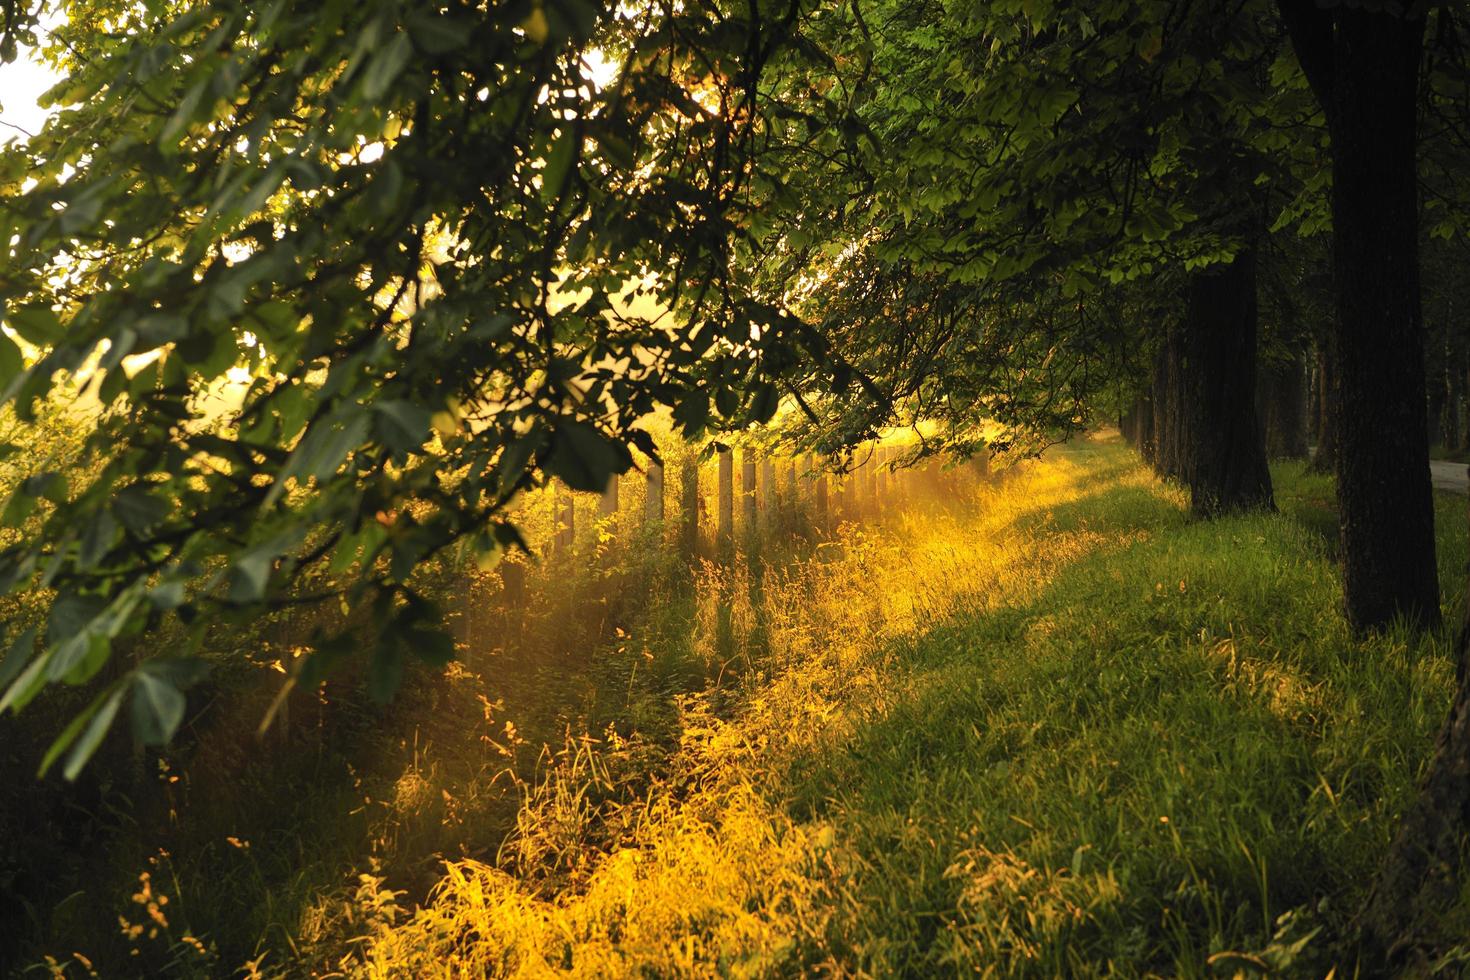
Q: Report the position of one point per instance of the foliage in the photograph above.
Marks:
(344, 279)
(1028, 180)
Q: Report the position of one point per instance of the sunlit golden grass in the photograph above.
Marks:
(1052, 729)
(1043, 725)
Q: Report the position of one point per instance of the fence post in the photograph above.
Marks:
(726, 526)
(981, 461)
(607, 504)
(513, 592)
(824, 518)
(653, 500)
(768, 488)
(689, 507)
(747, 490)
(871, 468)
(880, 460)
(566, 520)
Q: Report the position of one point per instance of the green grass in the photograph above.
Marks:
(1061, 730)
(1045, 726)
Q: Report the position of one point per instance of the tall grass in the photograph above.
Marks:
(1055, 730)
(1040, 726)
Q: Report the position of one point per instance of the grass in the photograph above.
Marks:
(1057, 730)
(1042, 726)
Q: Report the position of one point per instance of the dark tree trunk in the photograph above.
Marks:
(1144, 433)
(1324, 460)
(1222, 458)
(1167, 403)
(1283, 407)
(1387, 510)
(1423, 864)
(1364, 67)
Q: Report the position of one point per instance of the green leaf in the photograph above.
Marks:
(139, 509)
(18, 508)
(158, 706)
(185, 114)
(558, 164)
(91, 725)
(692, 414)
(25, 687)
(385, 66)
(250, 575)
(11, 363)
(763, 402)
(583, 458)
(727, 402)
(438, 34)
(17, 656)
(319, 453)
(402, 426)
(167, 595)
(97, 539)
(37, 324)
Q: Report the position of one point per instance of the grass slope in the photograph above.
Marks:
(1053, 729)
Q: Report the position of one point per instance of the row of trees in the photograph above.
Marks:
(461, 251)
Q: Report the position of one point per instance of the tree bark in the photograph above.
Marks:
(1166, 404)
(1387, 511)
(1423, 863)
(1324, 460)
(1364, 67)
(1144, 432)
(1222, 457)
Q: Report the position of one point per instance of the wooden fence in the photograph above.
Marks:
(716, 507)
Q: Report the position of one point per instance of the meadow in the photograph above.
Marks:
(1036, 725)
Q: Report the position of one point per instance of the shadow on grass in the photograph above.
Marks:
(1148, 761)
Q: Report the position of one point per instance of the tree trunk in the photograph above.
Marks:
(1222, 457)
(1324, 460)
(1387, 511)
(1423, 863)
(1144, 421)
(1282, 404)
(1166, 402)
(1363, 66)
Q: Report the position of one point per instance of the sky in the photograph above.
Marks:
(21, 83)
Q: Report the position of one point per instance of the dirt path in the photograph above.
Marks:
(1453, 477)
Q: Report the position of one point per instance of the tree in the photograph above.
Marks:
(418, 236)
(1027, 170)
(1363, 65)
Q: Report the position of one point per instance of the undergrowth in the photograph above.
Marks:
(1058, 730)
(1041, 726)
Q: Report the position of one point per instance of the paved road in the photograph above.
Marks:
(1449, 476)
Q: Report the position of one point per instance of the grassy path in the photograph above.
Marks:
(1055, 729)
